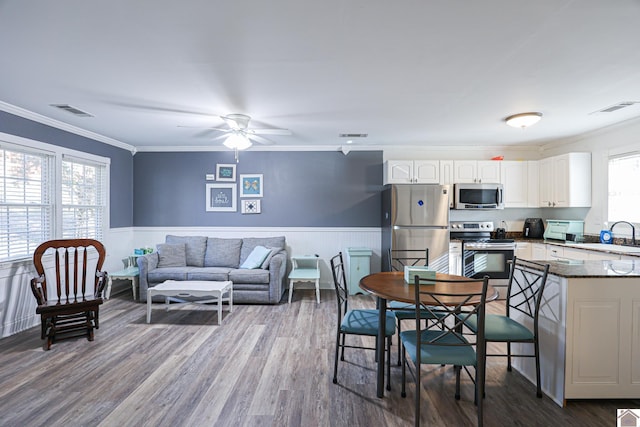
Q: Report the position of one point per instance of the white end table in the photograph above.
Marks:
(130, 273)
(305, 269)
(192, 288)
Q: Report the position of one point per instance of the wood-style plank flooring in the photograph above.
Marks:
(264, 366)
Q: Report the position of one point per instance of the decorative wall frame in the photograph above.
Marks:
(251, 185)
(221, 197)
(226, 172)
(250, 206)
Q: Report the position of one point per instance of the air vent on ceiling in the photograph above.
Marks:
(616, 107)
(73, 110)
(353, 135)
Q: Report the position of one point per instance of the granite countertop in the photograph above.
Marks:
(592, 269)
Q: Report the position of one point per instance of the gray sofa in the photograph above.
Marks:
(218, 259)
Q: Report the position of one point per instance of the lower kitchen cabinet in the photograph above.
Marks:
(523, 250)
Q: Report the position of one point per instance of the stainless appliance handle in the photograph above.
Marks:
(498, 196)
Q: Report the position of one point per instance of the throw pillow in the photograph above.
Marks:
(194, 247)
(172, 255)
(267, 260)
(256, 258)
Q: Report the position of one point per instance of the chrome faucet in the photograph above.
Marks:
(633, 230)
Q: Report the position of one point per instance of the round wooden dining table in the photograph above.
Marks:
(392, 286)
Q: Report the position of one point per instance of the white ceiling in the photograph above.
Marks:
(407, 72)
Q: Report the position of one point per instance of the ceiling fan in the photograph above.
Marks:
(238, 134)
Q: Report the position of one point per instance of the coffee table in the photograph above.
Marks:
(176, 289)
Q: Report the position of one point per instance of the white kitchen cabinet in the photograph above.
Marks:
(455, 258)
(472, 171)
(575, 254)
(554, 252)
(520, 182)
(565, 181)
(538, 251)
(446, 172)
(523, 250)
(412, 172)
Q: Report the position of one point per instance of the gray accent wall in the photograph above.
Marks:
(121, 184)
(301, 189)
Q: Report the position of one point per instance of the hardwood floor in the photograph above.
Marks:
(264, 366)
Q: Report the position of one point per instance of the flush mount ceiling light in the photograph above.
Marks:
(523, 120)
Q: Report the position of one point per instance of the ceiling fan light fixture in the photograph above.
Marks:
(523, 120)
(237, 141)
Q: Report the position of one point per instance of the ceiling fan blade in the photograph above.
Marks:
(206, 127)
(270, 131)
(259, 139)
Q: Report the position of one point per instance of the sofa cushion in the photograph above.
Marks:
(195, 248)
(267, 260)
(256, 258)
(248, 243)
(216, 274)
(249, 276)
(158, 275)
(222, 252)
(172, 255)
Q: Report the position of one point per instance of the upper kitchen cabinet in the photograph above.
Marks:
(412, 172)
(472, 171)
(520, 182)
(565, 181)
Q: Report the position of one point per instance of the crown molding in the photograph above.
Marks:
(29, 115)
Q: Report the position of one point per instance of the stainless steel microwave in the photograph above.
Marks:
(478, 196)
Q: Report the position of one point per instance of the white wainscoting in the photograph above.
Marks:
(324, 241)
(18, 306)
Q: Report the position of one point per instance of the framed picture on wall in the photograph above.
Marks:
(221, 198)
(251, 185)
(250, 206)
(226, 172)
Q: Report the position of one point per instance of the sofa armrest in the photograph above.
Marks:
(277, 271)
(146, 263)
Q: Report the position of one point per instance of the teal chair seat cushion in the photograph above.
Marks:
(403, 310)
(501, 328)
(365, 322)
(462, 355)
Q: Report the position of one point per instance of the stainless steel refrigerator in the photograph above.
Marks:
(416, 216)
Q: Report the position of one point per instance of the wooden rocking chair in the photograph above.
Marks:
(70, 308)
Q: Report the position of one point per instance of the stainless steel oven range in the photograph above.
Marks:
(482, 255)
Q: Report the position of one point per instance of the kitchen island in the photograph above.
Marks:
(589, 330)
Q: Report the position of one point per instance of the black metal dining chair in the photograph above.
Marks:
(527, 281)
(451, 303)
(363, 322)
(398, 259)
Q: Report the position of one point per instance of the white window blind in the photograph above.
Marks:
(83, 198)
(624, 191)
(26, 202)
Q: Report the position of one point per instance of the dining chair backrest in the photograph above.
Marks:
(526, 286)
(340, 284)
(399, 258)
(451, 303)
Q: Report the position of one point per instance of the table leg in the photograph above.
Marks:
(148, 307)
(290, 290)
(134, 286)
(219, 294)
(380, 343)
(318, 290)
(107, 292)
(230, 299)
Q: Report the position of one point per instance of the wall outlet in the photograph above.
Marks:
(210, 177)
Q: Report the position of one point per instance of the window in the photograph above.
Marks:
(624, 191)
(83, 206)
(49, 192)
(25, 202)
